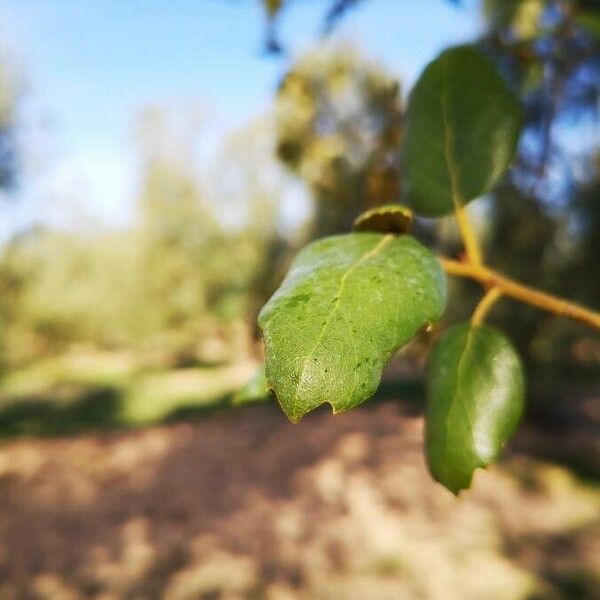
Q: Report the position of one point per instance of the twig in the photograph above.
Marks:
(513, 289)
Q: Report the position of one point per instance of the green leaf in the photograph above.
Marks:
(462, 127)
(475, 390)
(256, 390)
(347, 304)
(389, 218)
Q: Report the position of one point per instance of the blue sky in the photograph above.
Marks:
(91, 65)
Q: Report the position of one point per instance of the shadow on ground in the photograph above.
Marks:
(62, 411)
(242, 504)
(73, 408)
(69, 408)
(55, 413)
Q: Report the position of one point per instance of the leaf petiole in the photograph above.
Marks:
(484, 306)
(467, 233)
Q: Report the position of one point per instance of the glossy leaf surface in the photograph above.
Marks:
(475, 390)
(347, 304)
(462, 127)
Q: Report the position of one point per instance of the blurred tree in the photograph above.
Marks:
(250, 187)
(203, 242)
(59, 288)
(8, 153)
(8, 103)
(176, 228)
(183, 281)
(550, 51)
(334, 10)
(338, 127)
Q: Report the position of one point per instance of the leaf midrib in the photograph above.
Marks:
(367, 256)
(456, 396)
(448, 139)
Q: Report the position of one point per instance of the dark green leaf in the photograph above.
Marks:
(462, 127)
(390, 218)
(475, 392)
(347, 304)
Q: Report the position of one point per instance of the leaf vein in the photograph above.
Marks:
(367, 256)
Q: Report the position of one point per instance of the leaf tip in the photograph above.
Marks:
(294, 416)
(335, 410)
(455, 486)
(452, 479)
(290, 410)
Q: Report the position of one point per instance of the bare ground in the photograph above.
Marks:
(245, 505)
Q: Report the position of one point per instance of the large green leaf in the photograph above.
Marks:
(347, 304)
(475, 392)
(462, 127)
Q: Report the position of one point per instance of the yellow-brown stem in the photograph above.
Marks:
(484, 306)
(472, 248)
(513, 289)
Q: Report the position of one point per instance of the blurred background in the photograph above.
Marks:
(160, 164)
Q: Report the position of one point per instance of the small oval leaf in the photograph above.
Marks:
(256, 390)
(475, 391)
(347, 304)
(390, 218)
(462, 127)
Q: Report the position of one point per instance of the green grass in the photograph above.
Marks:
(68, 394)
(162, 396)
(80, 391)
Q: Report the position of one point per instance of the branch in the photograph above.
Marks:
(513, 289)
(484, 306)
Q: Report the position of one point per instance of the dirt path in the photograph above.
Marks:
(244, 505)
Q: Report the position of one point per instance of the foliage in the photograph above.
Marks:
(350, 301)
(474, 402)
(551, 56)
(335, 10)
(178, 282)
(459, 138)
(338, 121)
(256, 390)
(549, 52)
(347, 304)
(204, 254)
